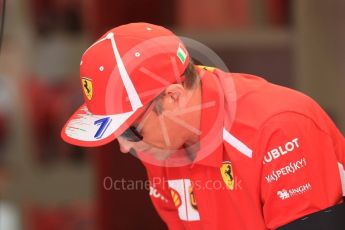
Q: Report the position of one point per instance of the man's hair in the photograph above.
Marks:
(192, 79)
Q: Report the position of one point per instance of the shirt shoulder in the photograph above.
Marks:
(262, 104)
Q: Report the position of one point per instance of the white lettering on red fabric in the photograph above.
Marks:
(288, 193)
(279, 151)
(154, 193)
(291, 168)
(283, 194)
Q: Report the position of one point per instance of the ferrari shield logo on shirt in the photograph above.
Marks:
(184, 199)
(87, 87)
(228, 174)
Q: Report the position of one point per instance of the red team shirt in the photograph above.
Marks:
(274, 156)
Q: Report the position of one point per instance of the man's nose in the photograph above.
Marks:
(125, 146)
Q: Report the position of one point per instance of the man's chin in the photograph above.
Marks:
(153, 153)
(157, 156)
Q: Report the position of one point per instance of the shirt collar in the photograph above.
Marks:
(212, 121)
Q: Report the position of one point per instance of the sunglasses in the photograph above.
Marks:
(132, 134)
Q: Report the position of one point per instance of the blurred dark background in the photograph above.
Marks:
(47, 184)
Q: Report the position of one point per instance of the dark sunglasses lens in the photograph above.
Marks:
(131, 134)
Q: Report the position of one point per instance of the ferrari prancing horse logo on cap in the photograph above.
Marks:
(87, 87)
(227, 174)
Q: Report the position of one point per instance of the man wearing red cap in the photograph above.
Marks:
(222, 150)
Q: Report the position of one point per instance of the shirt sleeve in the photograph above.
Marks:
(339, 143)
(162, 199)
(299, 174)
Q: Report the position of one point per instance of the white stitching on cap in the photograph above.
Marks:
(131, 91)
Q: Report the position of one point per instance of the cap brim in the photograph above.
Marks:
(90, 130)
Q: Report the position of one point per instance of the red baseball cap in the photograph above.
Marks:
(121, 73)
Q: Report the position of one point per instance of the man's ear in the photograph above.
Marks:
(174, 92)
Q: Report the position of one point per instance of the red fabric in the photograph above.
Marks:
(299, 159)
(275, 130)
